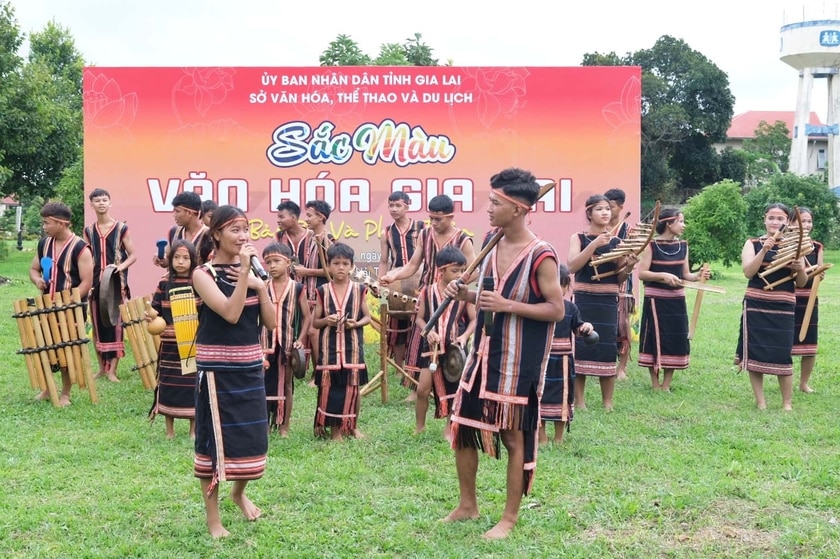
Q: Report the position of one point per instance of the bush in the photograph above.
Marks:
(794, 190)
(714, 224)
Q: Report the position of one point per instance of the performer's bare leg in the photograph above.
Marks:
(111, 369)
(559, 428)
(543, 437)
(654, 378)
(398, 351)
(757, 382)
(607, 390)
(580, 392)
(422, 406)
(786, 386)
(466, 463)
(807, 366)
(66, 385)
(170, 426)
(667, 375)
(237, 495)
(211, 508)
(103, 367)
(192, 428)
(622, 364)
(514, 442)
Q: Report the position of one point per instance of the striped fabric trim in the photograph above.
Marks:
(802, 350)
(775, 369)
(595, 369)
(665, 361)
(664, 293)
(772, 296)
(610, 288)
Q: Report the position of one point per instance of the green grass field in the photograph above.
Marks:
(698, 472)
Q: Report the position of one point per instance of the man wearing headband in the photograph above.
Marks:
(111, 245)
(186, 209)
(626, 300)
(441, 232)
(497, 402)
(70, 265)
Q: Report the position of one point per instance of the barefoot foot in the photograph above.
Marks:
(358, 434)
(44, 395)
(113, 378)
(499, 531)
(461, 513)
(249, 509)
(64, 400)
(217, 530)
(805, 388)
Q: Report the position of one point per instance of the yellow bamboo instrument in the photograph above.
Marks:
(185, 323)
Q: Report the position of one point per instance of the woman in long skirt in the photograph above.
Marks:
(231, 440)
(765, 340)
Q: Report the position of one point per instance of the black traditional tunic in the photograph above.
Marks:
(231, 439)
(663, 338)
(597, 300)
(279, 341)
(341, 361)
(175, 393)
(449, 326)
(560, 356)
(401, 246)
(765, 339)
(107, 248)
(64, 273)
(503, 377)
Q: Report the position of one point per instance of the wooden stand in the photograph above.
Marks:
(380, 379)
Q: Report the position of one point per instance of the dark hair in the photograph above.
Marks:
(57, 209)
(97, 192)
(399, 195)
(176, 244)
(321, 207)
(290, 207)
(208, 206)
(189, 200)
(277, 248)
(777, 206)
(590, 203)
(615, 195)
(222, 217)
(442, 204)
(450, 255)
(804, 210)
(666, 217)
(563, 275)
(517, 183)
(340, 250)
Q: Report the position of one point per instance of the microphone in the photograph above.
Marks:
(46, 268)
(161, 246)
(258, 269)
(488, 284)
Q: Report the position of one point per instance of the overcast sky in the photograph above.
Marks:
(740, 36)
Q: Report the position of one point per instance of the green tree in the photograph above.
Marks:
(794, 190)
(733, 164)
(71, 191)
(344, 51)
(40, 108)
(768, 153)
(686, 108)
(715, 224)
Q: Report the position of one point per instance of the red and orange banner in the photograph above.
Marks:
(254, 137)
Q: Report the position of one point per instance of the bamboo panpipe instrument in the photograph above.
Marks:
(142, 344)
(52, 336)
(361, 276)
(816, 273)
(618, 225)
(817, 269)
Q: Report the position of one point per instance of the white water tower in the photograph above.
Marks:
(811, 44)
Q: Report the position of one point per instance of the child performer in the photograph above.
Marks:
(341, 313)
(807, 348)
(175, 392)
(663, 340)
(231, 440)
(765, 339)
(597, 299)
(291, 310)
(451, 264)
(397, 247)
(560, 373)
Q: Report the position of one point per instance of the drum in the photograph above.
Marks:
(453, 363)
(185, 323)
(297, 362)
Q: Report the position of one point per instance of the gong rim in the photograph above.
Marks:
(109, 296)
(454, 360)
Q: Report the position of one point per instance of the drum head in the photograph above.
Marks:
(453, 363)
(297, 362)
(110, 288)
